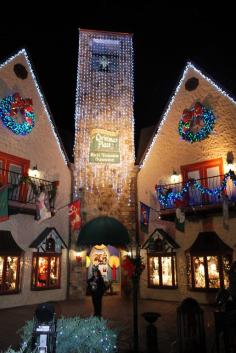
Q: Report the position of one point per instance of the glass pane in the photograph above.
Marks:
(213, 272)
(1, 268)
(54, 272)
(42, 274)
(199, 272)
(11, 273)
(154, 271)
(226, 267)
(166, 271)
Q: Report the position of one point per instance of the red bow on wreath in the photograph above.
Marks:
(20, 104)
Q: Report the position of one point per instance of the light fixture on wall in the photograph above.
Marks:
(230, 161)
(174, 177)
(34, 172)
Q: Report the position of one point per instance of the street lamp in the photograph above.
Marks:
(44, 329)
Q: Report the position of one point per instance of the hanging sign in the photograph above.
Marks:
(104, 146)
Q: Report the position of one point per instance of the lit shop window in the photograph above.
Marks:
(9, 274)
(161, 259)
(208, 262)
(162, 270)
(209, 272)
(46, 271)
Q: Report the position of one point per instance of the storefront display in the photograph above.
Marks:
(9, 274)
(208, 262)
(46, 271)
(11, 257)
(162, 270)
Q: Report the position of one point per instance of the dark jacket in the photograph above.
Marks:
(96, 285)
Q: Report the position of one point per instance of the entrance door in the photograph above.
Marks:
(209, 174)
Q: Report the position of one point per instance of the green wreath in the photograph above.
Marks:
(10, 106)
(196, 124)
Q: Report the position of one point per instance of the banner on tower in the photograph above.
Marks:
(104, 146)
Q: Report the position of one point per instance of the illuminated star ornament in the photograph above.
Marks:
(196, 124)
(17, 114)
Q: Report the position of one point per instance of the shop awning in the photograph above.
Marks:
(8, 245)
(209, 243)
(103, 230)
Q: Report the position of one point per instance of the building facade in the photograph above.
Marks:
(184, 177)
(104, 175)
(35, 189)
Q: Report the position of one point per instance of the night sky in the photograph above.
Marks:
(164, 41)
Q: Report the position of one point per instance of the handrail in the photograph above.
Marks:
(195, 196)
(23, 188)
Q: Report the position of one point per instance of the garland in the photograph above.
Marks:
(75, 335)
(10, 106)
(166, 196)
(199, 119)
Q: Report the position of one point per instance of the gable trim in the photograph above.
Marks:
(169, 106)
(43, 101)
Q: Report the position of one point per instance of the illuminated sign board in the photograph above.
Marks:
(104, 146)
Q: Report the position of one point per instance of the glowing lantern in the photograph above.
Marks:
(88, 261)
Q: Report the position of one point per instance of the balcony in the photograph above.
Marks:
(206, 194)
(23, 191)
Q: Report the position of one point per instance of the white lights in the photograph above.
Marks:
(23, 52)
(104, 100)
(165, 114)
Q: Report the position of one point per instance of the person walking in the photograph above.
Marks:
(97, 289)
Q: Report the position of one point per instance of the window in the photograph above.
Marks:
(46, 269)
(209, 174)
(105, 54)
(9, 274)
(162, 270)
(208, 262)
(11, 170)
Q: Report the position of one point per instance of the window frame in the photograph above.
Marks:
(34, 272)
(160, 255)
(8, 159)
(4, 272)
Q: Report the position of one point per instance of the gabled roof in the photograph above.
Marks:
(8, 244)
(42, 99)
(209, 243)
(168, 107)
(42, 236)
(164, 235)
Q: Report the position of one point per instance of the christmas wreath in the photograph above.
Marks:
(196, 123)
(10, 107)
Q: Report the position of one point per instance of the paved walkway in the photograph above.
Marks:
(119, 314)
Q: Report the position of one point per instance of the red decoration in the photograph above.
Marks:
(128, 266)
(74, 214)
(198, 109)
(113, 273)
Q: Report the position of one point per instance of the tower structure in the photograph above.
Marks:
(104, 174)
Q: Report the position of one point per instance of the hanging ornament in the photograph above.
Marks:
(17, 114)
(196, 124)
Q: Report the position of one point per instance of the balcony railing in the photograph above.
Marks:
(22, 189)
(195, 196)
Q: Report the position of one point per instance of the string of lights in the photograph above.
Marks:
(165, 114)
(24, 53)
(168, 195)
